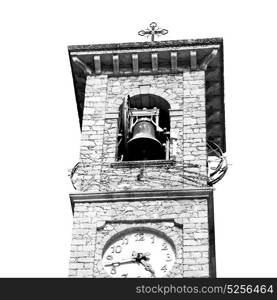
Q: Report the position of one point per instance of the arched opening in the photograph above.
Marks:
(150, 101)
(144, 127)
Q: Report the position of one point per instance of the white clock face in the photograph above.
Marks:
(141, 253)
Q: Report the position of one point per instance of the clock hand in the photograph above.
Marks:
(118, 263)
(139, 256)
(142, 258)
(136, 257)
(148, 267)
(146, 254)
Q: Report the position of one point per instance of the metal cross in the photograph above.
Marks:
(153, 30)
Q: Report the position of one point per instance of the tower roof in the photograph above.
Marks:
(147, 45)
(159, 57)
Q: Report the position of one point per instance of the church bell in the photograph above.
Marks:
(144, 145)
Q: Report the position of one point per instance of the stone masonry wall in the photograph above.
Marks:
(186, 95)
(184, 221)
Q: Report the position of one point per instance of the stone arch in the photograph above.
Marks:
(149, 101)
(155, 91)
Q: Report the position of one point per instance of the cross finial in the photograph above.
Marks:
(153, 30)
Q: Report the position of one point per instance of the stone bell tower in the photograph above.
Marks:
(152, 123)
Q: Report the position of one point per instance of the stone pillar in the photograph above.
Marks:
(195, 239)
(92, 133)
(83, 241)
(194, 129)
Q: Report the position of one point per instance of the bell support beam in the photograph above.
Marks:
(173, 59)
(97, 64)
(135, 63)
(116, 64)
(193, 60)
(78, 62)
(207, 59)
(154, 60)
(173, 56)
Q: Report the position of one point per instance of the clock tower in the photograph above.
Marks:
(152, 143)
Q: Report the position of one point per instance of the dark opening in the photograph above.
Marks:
(148, 139)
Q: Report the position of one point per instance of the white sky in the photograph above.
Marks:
(40, 130)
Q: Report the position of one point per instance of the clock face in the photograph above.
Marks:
(140, 253)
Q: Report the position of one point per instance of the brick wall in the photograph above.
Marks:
(186, 95)
(184, 221)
